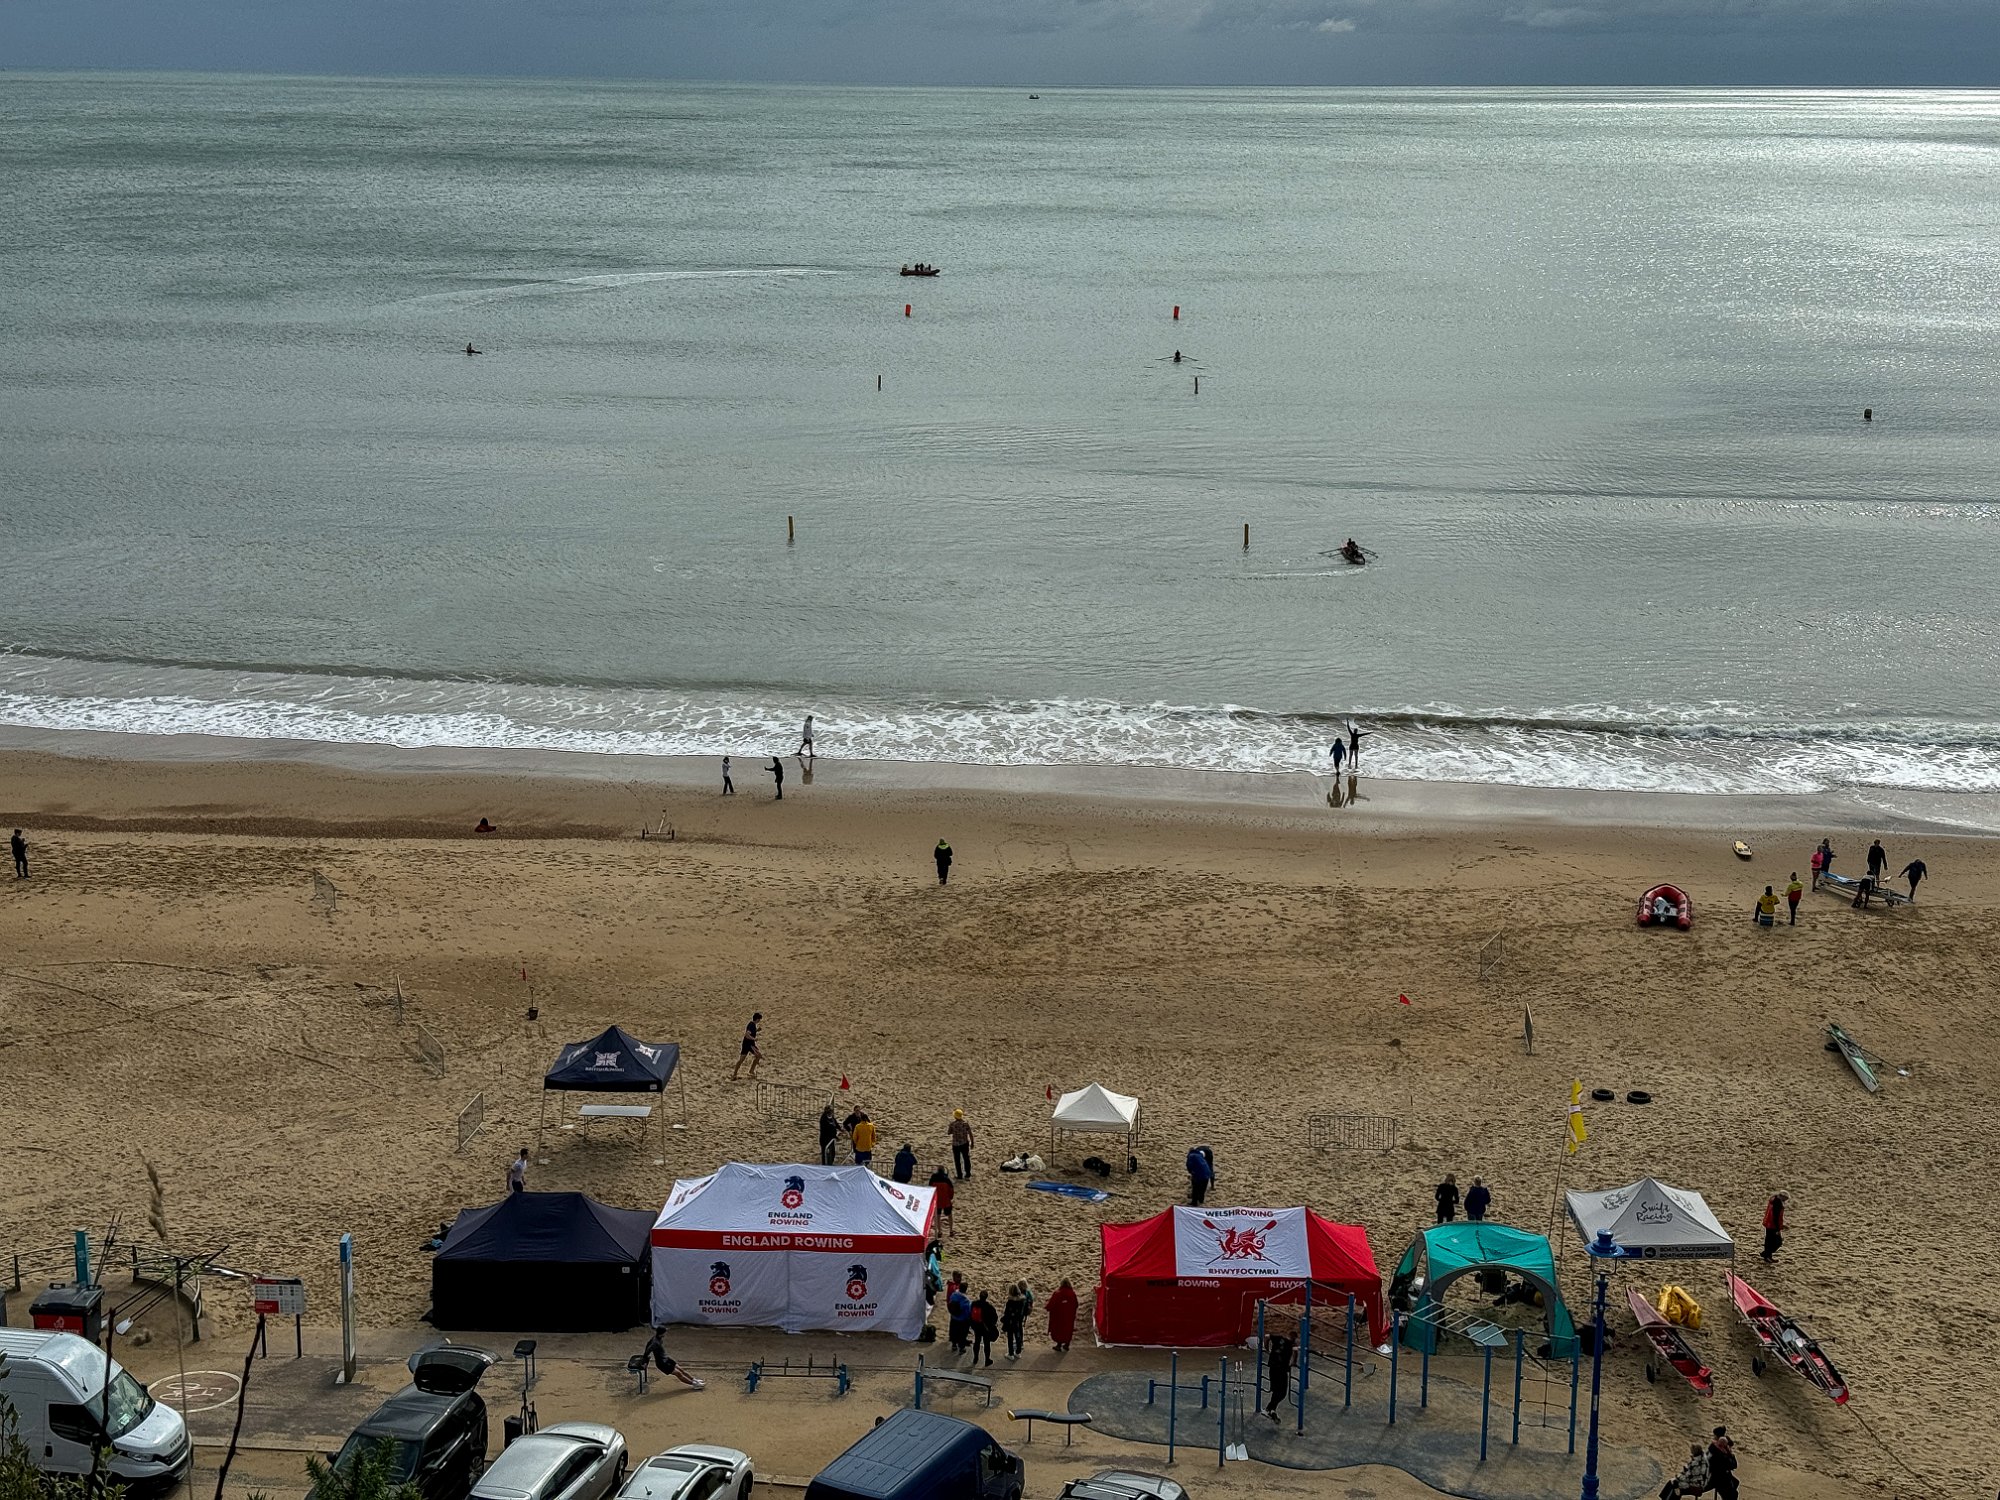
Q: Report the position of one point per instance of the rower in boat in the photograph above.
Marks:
(1351, 552)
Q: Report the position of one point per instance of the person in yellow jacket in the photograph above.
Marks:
(1767, 908)
(1792, 894)
(864, 1141)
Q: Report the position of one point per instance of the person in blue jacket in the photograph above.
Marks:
(1201, 1172)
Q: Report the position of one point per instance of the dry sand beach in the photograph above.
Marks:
(170, 992)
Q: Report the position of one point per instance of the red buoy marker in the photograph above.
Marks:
(906, 309)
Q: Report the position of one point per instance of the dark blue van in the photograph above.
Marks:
(920, 1455)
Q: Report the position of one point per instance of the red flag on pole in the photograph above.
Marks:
(1402, 999)
(843, 1083)
(1049, 1092)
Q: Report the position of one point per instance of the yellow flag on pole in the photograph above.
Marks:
(1577, 1134)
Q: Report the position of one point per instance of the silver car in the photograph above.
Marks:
(1123, 1484)
(693, 1471)
(568, 1461)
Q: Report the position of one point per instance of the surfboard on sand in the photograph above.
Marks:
(1742, 850)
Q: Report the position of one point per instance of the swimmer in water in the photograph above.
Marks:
(1177, 356)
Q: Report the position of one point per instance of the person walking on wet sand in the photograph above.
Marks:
(749, 1049)
(942, 854)
(1878, 861)
(1446, 1194)
(1774, 1227)
(1338, 750)
(806, 737)
(1913, 872)
(1822, 861)
(777, 769)
(18, 846)
(728, 786)
(1792, 894)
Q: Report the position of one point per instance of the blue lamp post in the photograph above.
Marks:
(1601, 1250)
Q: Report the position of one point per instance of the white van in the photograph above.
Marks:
(56, 1384)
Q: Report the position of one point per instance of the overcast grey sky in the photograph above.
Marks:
(1037, 42)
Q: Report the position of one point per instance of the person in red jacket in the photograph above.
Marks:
(1774, 1226)
(1062, 1317)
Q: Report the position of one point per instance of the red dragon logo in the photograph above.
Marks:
(1240, 1244)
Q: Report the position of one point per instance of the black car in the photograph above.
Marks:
(435, 1425)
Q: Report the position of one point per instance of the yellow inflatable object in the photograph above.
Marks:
(1677, 1307)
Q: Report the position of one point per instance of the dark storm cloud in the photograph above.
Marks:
(1841, 42)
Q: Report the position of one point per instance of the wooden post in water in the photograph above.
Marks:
(790, 534)
(878, 382)
(1246, 536)
(1197, 385)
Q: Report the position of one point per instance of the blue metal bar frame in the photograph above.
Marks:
(1485, 1400)
(1347, 1392)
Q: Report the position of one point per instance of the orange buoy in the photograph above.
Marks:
(906, 309)
(1177, 312)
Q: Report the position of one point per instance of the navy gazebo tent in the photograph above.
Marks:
(545, 1262)
(613, 1062)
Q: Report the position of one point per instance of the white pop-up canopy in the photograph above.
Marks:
(793, 1247)
(1095, 1110)
(1648, 1220)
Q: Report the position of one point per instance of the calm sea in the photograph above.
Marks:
(1584, 369)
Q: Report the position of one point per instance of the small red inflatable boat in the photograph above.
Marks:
(1680, 911)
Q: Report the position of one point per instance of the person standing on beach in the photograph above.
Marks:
(1878, 861)
(1476, 1198)
(1774, 1226)
(1201, 1173)
(940, 1185)
(864, 1140)
(18, 846)
(1767, 908)
(1913, 872)
(1354, 733)
(777, 769)
(728, 786)
(905, 1169)
(958, 1310)
(749, 1049)
(960, 1131)
(1446, 1194)
(1792, 894)
(806, 737)
(829, 1132)
(517, 1173)
(1826, 856)
(942, 854)
(1278, 1365)
(1062, 1316)
(1014, 1319)
(985, 1323)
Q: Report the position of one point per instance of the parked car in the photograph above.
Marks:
(693, 1471)
(1123, 1484)
(435, 1426)
(568, 1461)
(69, 1400)
(922, 1455)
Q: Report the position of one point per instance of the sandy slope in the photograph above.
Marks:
(174, 996)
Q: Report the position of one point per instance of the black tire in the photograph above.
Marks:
(1756, 1365)
(1650, 1375)
(1602, 1096)
(1638, 1096)
(749, 1481)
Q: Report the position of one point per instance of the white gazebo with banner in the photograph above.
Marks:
(793, 1247)
(1095, 1110)
(1648, 1220)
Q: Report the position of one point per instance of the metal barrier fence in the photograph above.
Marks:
(1492, 954)
(1355, 1132)
(431, 1051)
(790, 1101)
(471, 1119)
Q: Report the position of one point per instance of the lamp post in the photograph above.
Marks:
(1600, 1250)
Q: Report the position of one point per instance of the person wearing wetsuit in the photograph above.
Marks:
(1913, 872)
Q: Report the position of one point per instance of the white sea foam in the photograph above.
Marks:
(1716, 748)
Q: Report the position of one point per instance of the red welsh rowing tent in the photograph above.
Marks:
(1194, 1276)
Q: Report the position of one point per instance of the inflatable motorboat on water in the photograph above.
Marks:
(919, 269)
(1678, 910)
